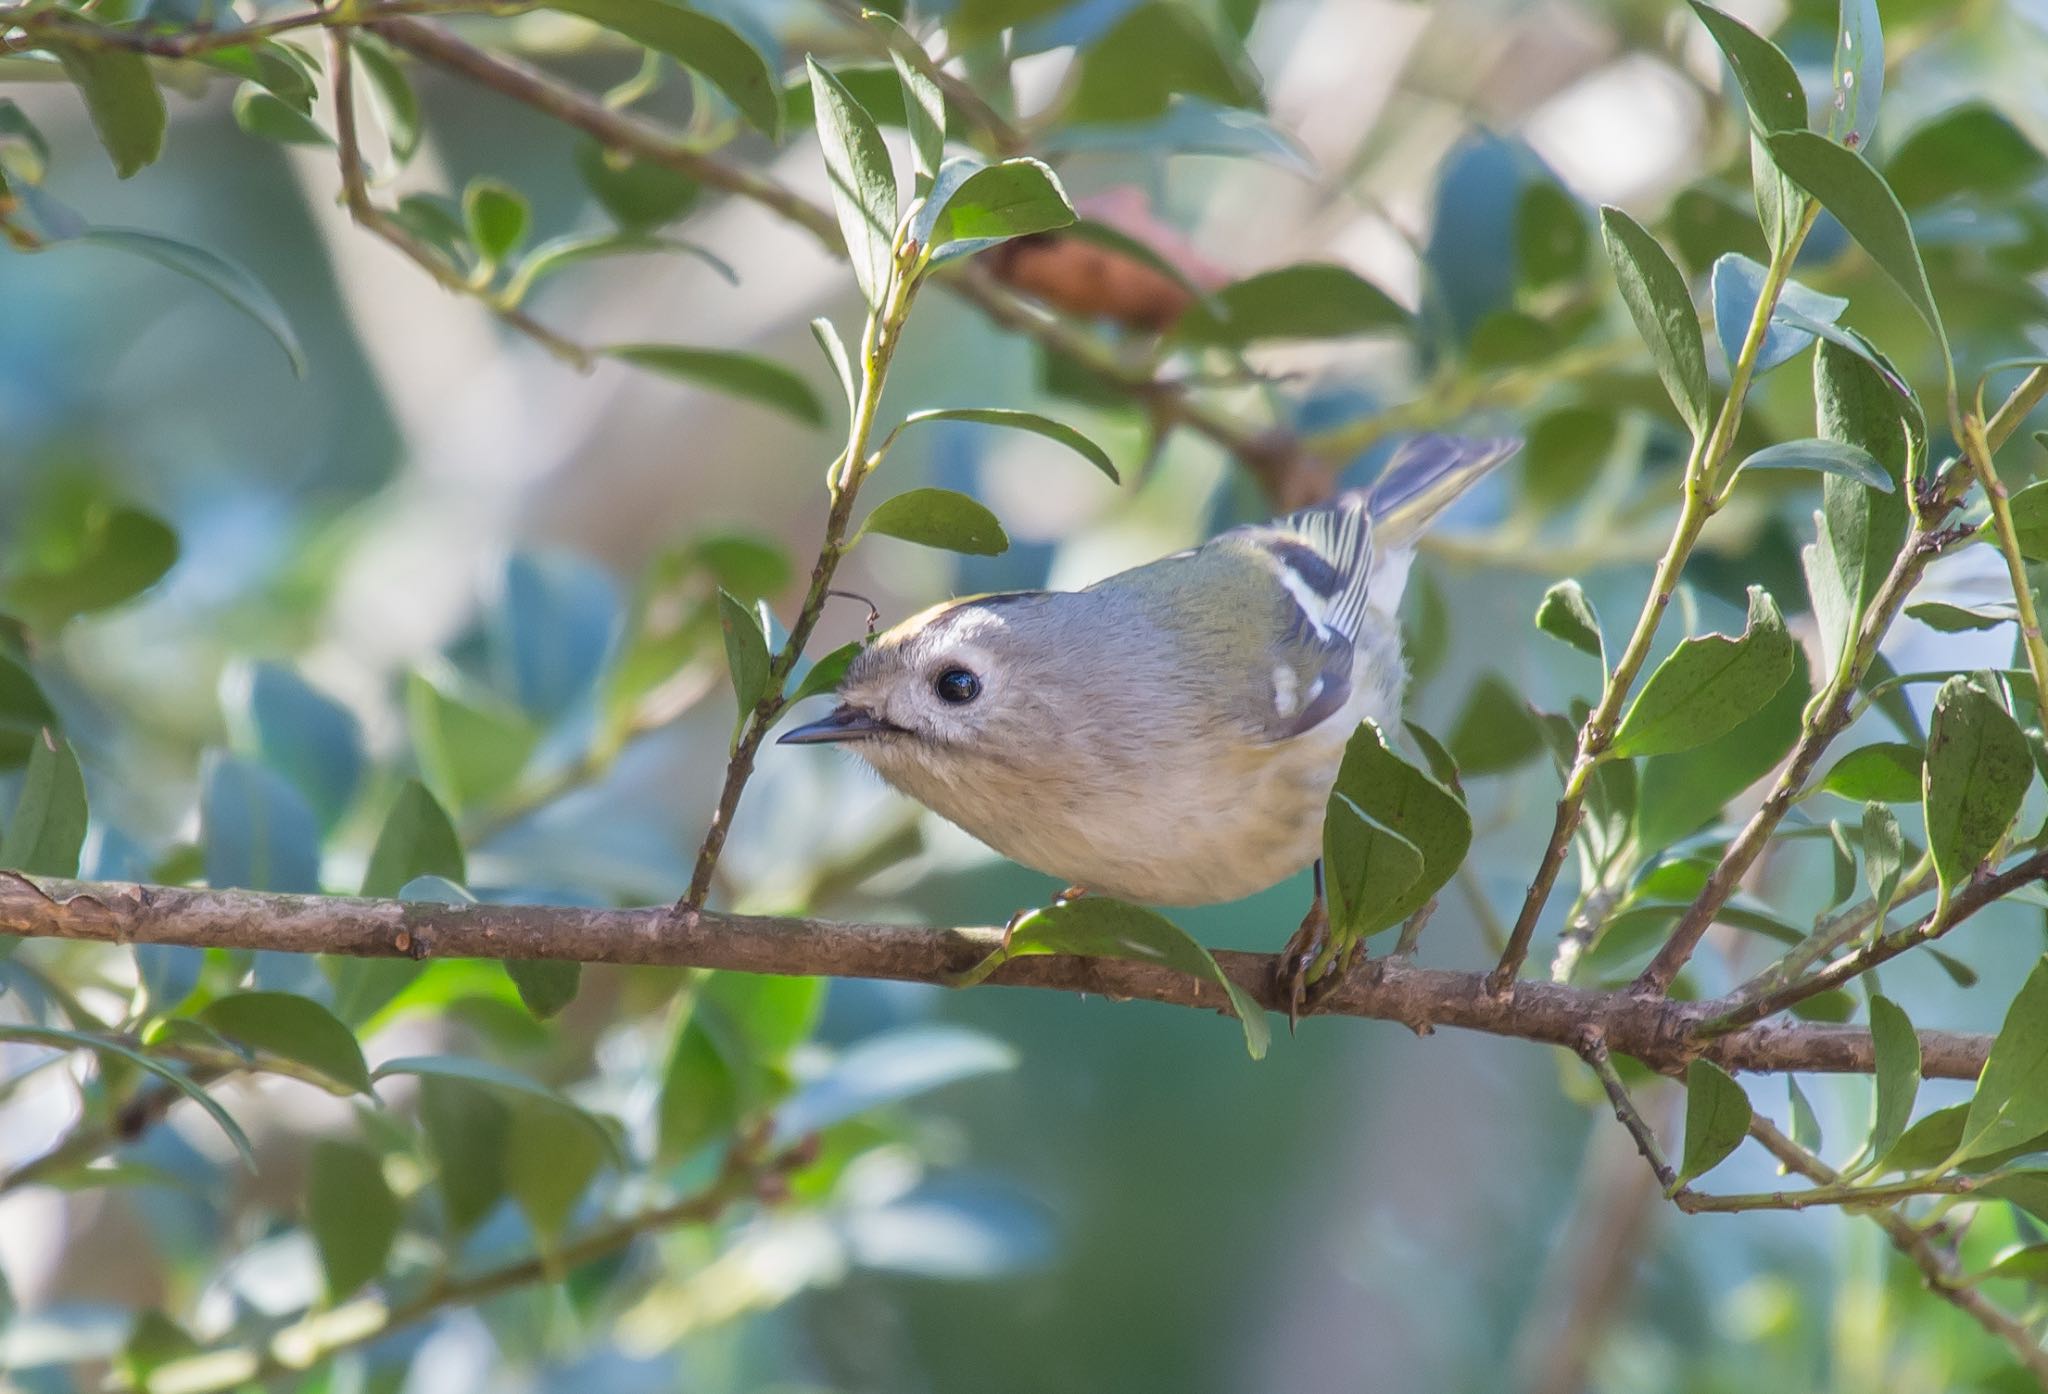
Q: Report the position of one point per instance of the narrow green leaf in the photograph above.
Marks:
(1717, 1118)
(1096, 927)
(1566, 614)
(2011, 1104)
(293, 1028)
(924, 105)
(79, 1040)
(825, 674)
(1848, 187)
(1897, 1047)
(24, 712)
(1769, 82)
(1955, 619)
(1825, 456)
(706, 46)
(746, 650)
(1710, 685)
(863, 181)
(1805, 1126)
(1025, 421)
(1859, 73)
(398, 106)
(746, 375)
(834, 349)
(1888, 772)
(1978, 770)
(48, 827)
(2028, 1264)
(418, 839)
(352, 1214)
(939, 518)
(560, 253)
(219, 275)
(508, 1083)
(640, 195)
(126, 108)
(497, 217)
(1654, 290)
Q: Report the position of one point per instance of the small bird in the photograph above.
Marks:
(1168, 735)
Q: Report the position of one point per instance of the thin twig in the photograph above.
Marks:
(1592, 1048)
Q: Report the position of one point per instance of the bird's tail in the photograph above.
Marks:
(1423, 478)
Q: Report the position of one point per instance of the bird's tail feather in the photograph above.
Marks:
(1423, 479)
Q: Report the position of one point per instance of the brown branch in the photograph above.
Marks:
(69, 29)
(1937, 1270)
(1663, 1034)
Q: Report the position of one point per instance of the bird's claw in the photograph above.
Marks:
(1311, 966)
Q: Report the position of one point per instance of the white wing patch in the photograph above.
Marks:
(1286, 691)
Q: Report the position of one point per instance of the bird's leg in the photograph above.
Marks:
(1306, 956)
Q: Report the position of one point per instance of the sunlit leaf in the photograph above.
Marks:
(939, 518)
(1024, 421)
(700, 43)
(418, 839)
(2011, 1103)
(1565, 613)
(1717, 1115)
(1710, 685)
(863, 181)
(746, 375)
(1897, 1048)
(293, 1028)
(127, 110)
(1654, 290)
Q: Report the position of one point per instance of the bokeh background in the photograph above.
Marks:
(1133, 1205)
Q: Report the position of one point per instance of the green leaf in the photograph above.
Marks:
(299, 731)
(1969, 149)
(1397, 797)
(497, 217)
(973, 207)
(1717, 1118)
(548, 1167)
(1737, 286)
(24, 154)
(1683, 792)
(398, 107)
(259, 832)
(1825, 456)
(1859, 73)
(1152, 53)
(863, 181)
(1566, 453)
(700, 1092)
(24, 712)
(939, 518)
(1710, 685)
(746, 651)
(1566, 614)
(1654, 290)
(1897, 1047)
(1954, 619)
(219, 275)
(706, 46)
(834, 349)
(745, 375)
(1366, 866)
(1888, 772)
(1776, 101)
(889, 1068)
(468, 1134)
(1494, 731)
(560, 253)
(2028, 1264)
(1024, 421)
(352, 1214)
(471, 748)
(266, 117)
(924, 105)
(1805, 1126)
(1848, 187)
(293, 1028)
(114, 555)
(508, 1083)
(418, 839)
(126, 108)
(824, 675)
(48, 828)
(1860, 531)
(2030, 520)
(638, 194)
(2011, 1104)
(545, 985)
(1313, 300)
(1978, 770)
(79, 1040)
(1095, 927)
(1929, 1143)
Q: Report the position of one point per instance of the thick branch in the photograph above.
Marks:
(1660, 1032)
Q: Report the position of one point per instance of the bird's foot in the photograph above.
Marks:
(1312, 964)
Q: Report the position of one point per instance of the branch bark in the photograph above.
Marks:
(1662, 1033)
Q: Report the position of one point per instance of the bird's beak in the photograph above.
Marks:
(846, 723)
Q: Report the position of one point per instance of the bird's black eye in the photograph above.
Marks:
(957, 686)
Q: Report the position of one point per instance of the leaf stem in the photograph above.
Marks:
(1977, 447)
(843, 478)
